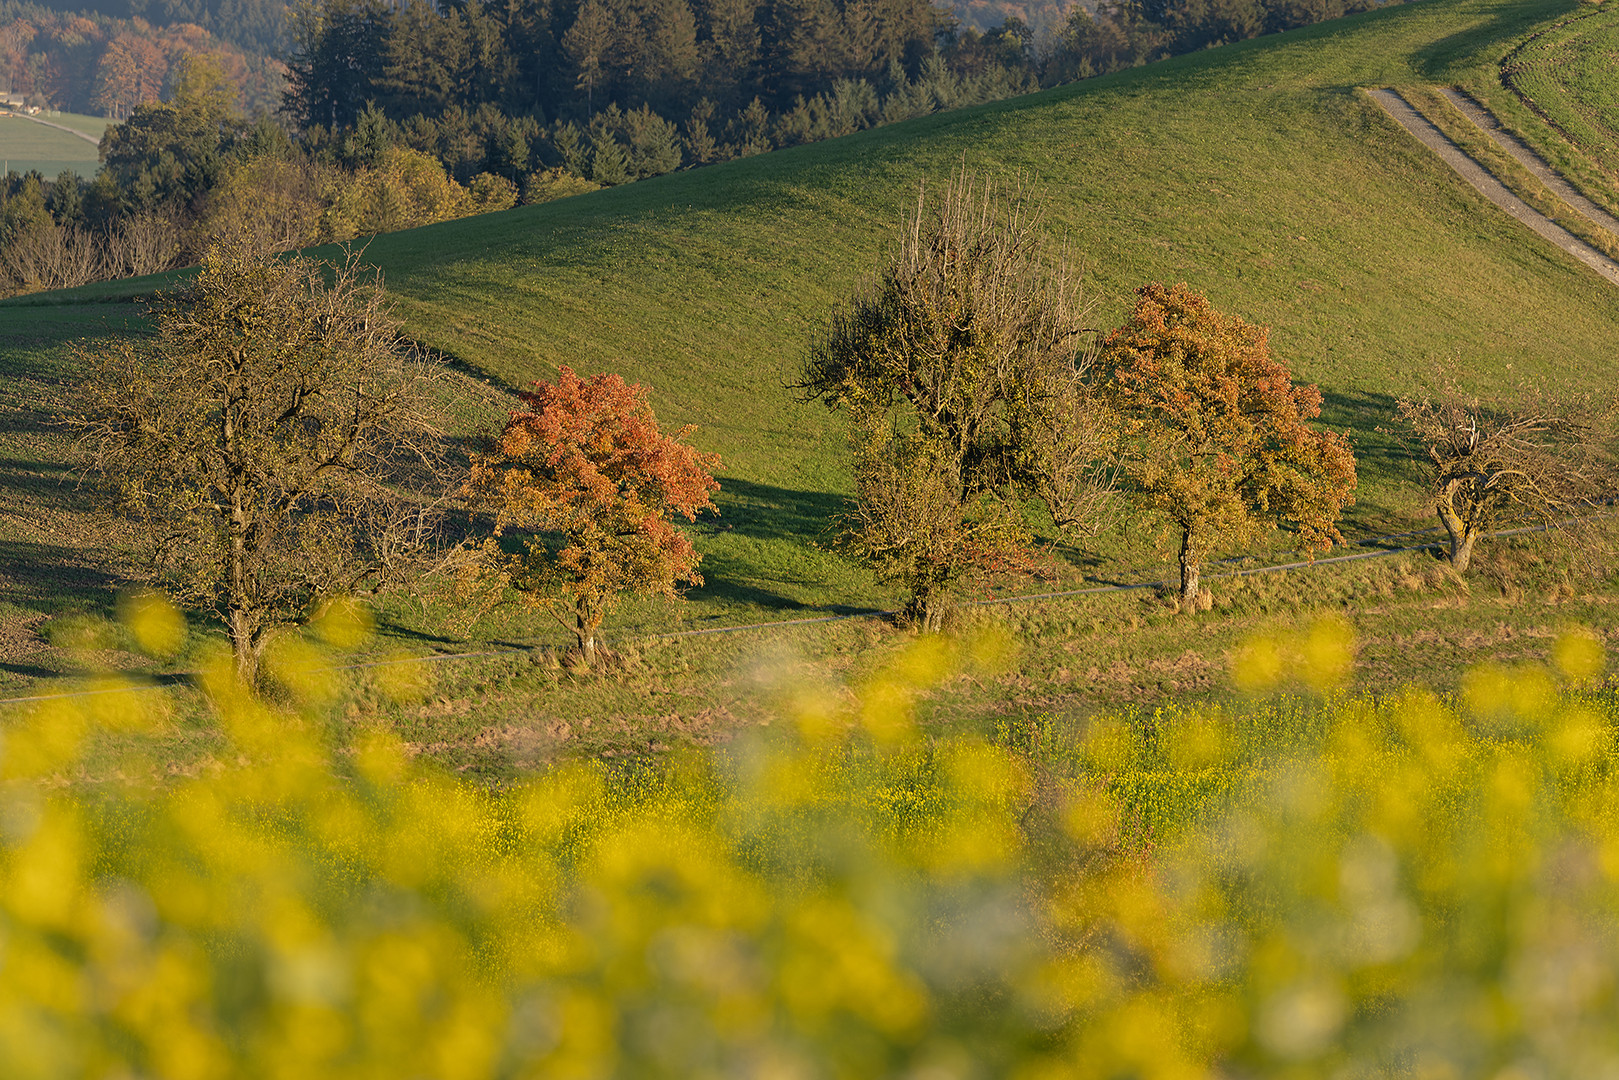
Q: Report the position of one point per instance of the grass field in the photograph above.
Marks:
(1258, 172)
(26, 144)
(1555, 89)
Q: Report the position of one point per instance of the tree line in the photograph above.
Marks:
(493, 86)
(277, 440)
(399, 116)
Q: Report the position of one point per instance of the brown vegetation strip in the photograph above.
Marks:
(863, 613)
(1491, 188)
(1299, 564)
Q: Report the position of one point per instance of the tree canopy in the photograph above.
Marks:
(275, 440)
(963, 371)
(589, 484)
(1217, 435)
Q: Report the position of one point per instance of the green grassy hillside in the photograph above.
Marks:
(1257, 172)
(25, 144)
(1558, 90)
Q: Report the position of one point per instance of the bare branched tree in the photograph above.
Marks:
(141, 244)
(964, 368)
(276, 439)
(46, 256)
(1537, 462)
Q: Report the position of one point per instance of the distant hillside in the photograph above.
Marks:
(253, 26)
(93, 63)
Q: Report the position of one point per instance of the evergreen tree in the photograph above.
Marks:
(609, 163)
(338, 60)
(66, 202)
(730, 50)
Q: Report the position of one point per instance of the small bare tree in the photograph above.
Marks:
(141, 244)
(963, 368)
(269, 439)
(1535, 462)
(47, 256)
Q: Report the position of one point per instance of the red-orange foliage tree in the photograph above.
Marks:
(588, 477)
(1217, 433)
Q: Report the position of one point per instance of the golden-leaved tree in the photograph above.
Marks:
(588, 481)
(1217, 433)
(963, 371)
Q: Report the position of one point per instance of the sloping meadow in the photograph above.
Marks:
(1259, 173)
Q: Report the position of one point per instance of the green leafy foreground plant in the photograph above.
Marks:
(1408, 886)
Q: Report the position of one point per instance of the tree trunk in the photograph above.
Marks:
(240, 615)
(927, 609)
(243, 646)
(1191, 563)
(1462, 538)
(587, 620)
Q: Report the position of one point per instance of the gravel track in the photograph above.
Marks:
(92, 140)
(1487, 123)
(1491, 188)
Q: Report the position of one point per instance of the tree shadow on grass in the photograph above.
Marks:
(1509, 20)
(29, 671)
(52, 579)
(763, 512)
(1383, 464)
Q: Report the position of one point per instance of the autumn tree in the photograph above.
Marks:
(963, 371)
(1217, 436)
(1537, 461)
(588, 484)
(268, 439)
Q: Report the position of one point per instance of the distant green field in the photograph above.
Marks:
(26, 143)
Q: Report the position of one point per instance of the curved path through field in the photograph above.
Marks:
(91, 139)
(1492, 189)
(1486, 122)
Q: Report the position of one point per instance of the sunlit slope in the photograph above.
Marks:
(1256, 172)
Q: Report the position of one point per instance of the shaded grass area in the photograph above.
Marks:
(55, 556)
